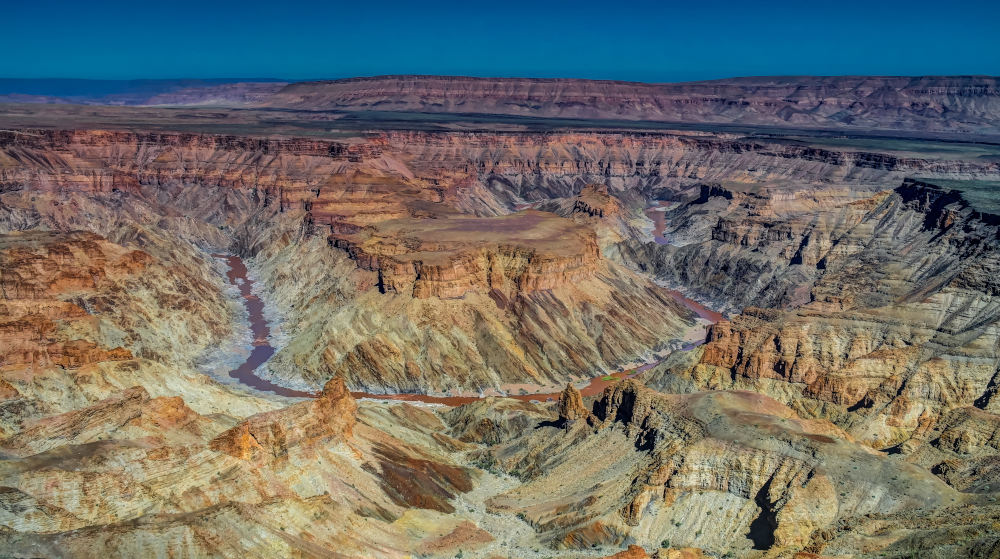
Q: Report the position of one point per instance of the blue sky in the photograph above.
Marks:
(642, 41)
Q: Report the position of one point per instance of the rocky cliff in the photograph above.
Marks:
(921, 103)
(723, 471)
(846, 407)
(880, 313)
(926, 103)
(541, 304)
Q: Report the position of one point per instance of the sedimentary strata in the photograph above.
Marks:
(845, 405)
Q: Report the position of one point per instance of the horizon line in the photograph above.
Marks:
(270, 79)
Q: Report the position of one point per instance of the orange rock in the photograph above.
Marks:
(77, 353)
(7, 391)
(238, 442)
(329, 417)
(633, 552)
(680, 553)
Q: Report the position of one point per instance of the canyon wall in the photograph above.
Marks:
(406, 217)
(522, 298)
(961, 103)
(847, 406)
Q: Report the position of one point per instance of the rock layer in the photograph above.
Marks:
(920, 103)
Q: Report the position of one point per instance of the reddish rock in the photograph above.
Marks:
(330, 417)
(7, 391)
(633, 552)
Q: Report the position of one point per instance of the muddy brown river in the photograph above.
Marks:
(263, 350)
(657, 213)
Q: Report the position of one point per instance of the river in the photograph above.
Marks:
(263, 350)
(261, 330)
(657, 213)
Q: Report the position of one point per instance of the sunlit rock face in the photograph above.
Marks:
(722, 471)
(883, 313)
(434, 295)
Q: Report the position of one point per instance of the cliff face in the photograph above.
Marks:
(81, 316)
(723, 471)
(970, 103)
(862, 318)
(435, 217)
(498, 327)
(351, 184)
(882, 310)
(540, 302)
(48, 281)
(928, 103)
(511, 168)
(449, 256)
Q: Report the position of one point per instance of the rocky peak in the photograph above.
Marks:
(338, 405)
(626, 402)
(571, 405)
(595, 201)
(335, 389)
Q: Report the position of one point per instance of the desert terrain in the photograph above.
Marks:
(415, 316)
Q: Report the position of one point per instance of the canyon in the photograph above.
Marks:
(568, 328)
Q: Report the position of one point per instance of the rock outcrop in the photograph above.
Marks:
(448, 256)
(688, 464)
(331, 416)
(571, 405)
(883, 323)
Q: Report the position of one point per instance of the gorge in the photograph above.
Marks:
(437, 317)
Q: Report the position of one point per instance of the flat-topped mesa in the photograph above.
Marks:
(450, 256)
(917, 103)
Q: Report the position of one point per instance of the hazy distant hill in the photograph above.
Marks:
(135, 92)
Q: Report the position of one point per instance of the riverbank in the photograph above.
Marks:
(657, 214)
(262, 350)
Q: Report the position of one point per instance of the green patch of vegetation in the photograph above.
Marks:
(609, 377)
